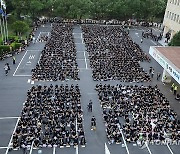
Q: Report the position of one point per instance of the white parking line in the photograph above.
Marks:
(168, 145)
(30, 152)
(85, 60)
(153, 42)
(39, 58)
(107, 149)
(54, 150)
(2, 118)
(3, 147)
(76, 134)
(169, 149)
(124, 141)
(148, 148)
(20, 63)
(22, 75)
(7, 150)
(82, 38)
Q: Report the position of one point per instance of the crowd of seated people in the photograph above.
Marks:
(141, 111)
(51, 116)
(58, 59)
(113, 55)
(43, 37)
(124, 23)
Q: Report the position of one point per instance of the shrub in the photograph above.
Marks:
(175, 41)
(15, 45)
(4, 49)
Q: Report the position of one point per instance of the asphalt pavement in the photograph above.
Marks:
(13, 89)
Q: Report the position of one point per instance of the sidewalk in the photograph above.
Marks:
(162, 42)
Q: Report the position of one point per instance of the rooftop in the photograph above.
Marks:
(171, 53)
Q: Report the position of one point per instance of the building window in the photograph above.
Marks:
(178, 2)
(167, 14)
(170, 15)
(175, 2)
(174, 17)
(177, 19)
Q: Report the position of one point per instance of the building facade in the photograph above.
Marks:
(171, 21)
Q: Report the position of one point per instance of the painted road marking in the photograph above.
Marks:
(54, 150)
(106, 149)
(85, 60)
(153, 42)
(7, 150)
(31, 56)
(22, 75)
(148, 147)
(77, 151)
(124, 140)
(2, 118)
(30, 152)
(137, 34)
(20, 63)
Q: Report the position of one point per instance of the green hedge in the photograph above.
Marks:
(15, 38)
(15, 45)
(6, 48)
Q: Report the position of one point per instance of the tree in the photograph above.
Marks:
(96, 9)
(20, 27)
(175, 41)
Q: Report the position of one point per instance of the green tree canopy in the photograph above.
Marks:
(96, 9)
(175, 41)
(20, 27)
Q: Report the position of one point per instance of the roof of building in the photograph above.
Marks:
(171, 53)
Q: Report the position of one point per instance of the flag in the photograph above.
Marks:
(3, 4)
(2, 12)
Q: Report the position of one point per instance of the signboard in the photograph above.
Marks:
(168, 67)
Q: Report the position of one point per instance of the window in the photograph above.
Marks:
(177, 19)
(175, 2)
(170, 15)
(178, 2)
(167, 14)
(174, 17)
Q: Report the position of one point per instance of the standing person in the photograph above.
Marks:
(6, 69)
(164, 79)
(141, 40)
(93, 123)
(172, 86)
(175, 89)
(34, 39)
(152, 73)
(158, 76)
(90, 106)
(150, 70)
(8, 66)
(24, 150)
(14, 60)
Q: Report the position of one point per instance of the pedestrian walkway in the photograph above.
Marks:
(162, 42)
